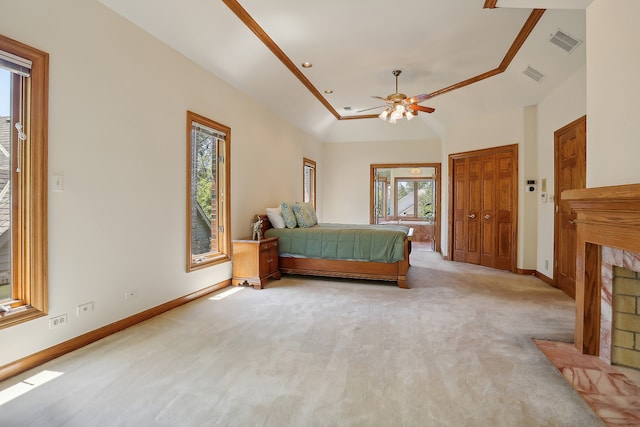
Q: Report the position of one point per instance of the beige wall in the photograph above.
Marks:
(117, 118)
(567, 103)
(514, 126)
(347, 169)
(613, 92)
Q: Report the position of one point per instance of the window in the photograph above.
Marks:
(24, 78)
(309, 181)
(414, 198)
(208, 226)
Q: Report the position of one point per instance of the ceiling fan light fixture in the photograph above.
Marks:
(398, 105)
(397, 114)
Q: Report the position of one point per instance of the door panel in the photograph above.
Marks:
(459, 211)
(487, 214)
(474, 192)
(505, 211)
(570, 173)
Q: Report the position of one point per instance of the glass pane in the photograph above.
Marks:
(5, 184)
(425, 200)
(405, 199)
(204, 219)
(309, 181)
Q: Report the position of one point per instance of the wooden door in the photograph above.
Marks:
(505, 215)
(467, 205)
(460, 225)
(487, 211)
(570, 146)
(484, 207)
(473, 198)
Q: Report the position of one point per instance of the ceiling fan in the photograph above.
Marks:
(398, 105)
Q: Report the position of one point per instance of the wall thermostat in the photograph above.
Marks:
(531, 185)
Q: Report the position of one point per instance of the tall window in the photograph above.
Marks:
(208, 229)
(309, 181)
(23, 182)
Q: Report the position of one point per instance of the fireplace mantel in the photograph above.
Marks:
(605, 216)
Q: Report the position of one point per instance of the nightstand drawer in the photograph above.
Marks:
(264, 246)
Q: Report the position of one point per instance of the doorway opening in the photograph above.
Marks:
(408, 194)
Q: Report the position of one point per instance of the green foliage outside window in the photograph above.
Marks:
(205, 150)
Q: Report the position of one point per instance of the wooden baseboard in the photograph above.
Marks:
(547, 280)
(526, 272)
(36, 359)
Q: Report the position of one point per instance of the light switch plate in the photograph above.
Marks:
(57, 183)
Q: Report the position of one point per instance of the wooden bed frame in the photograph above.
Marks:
(368, 270)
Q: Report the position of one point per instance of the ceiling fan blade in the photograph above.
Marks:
(372, 108)
(379, 97)
(421, 108)
(418, 98)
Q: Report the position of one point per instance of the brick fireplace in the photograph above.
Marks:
(607, 272)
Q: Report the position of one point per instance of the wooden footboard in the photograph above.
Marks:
(390, 272)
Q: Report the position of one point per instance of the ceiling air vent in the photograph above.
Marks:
(564, 41)
(533, 74)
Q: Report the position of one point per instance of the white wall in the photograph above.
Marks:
(117, 120)
(613, 101)
(564, 105)
(508, 127)
(347, 170)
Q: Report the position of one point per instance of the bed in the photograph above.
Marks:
(379, 261)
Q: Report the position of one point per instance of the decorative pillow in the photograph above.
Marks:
(288, 215)
(275, 217)
(312, 210)
(305, 215)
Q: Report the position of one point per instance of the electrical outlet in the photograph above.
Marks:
(58, 321)
(85, 308)
(130, 294)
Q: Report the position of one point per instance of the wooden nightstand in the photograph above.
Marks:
(255, 261)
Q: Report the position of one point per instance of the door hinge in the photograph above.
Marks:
(221, 229)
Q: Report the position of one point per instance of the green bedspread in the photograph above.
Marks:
(380, 243)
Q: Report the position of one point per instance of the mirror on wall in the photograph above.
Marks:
(208, 192)
(408, 194)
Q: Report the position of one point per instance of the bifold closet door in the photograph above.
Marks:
(483, 209)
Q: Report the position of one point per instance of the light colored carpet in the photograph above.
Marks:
(455, 350)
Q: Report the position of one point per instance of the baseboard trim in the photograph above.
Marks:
(36, 359)
(526, 272)
(547, 280)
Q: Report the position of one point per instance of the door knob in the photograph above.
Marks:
(487, 216)
(471, 216)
